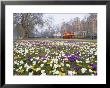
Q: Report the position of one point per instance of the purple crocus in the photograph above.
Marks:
(36, 61)
(77, 57)
(94, 66)
(95, 74)
(58, 48)
(29, 58)
(43, 58)
(72, 58)
(67, 55)
(77, 68)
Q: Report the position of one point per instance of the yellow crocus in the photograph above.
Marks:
(62, 74)
(74, 72)
(79, 64)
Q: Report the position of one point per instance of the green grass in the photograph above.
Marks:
(77, 40)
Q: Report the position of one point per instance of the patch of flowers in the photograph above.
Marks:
(54, 57)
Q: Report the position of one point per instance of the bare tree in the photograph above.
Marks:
(28, 21)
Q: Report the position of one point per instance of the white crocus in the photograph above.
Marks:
(63, 54)
(70, 73)
(26, 65)
(21, 62)
(42, 71)
(55, 65)
(77, 61)
(79, 54)
(87, 61)
(83, 70)
(43, 74)
(34, 62)
(41, 65)
(56, 72)
(45, 61)
(92, 74)
(95, 53)
(74, 73)
(62, 64)
(30, 73)
(68, 65)
(31, 59)
(26, 50)
(56, 53)
(80, 61)
(18, 63)
(15, 62)
(20, 67)
(55, 60)
(17, 69)
(51, 61)
(50, 65)
(59, 65)
(37, 58)
(38, 69)
(90, 70)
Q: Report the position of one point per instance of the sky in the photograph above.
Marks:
(59, 18)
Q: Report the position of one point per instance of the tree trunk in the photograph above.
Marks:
(25, 34)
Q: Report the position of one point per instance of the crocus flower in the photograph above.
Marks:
(30, 58)
(72, 58)
(43, 58)
(67, 55)
(76, 68)
(94, 66)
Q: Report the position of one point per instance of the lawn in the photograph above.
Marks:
(76, 40)
(55, 57)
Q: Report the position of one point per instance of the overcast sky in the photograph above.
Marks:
(59, 18)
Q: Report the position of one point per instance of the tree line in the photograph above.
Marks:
(24, 25)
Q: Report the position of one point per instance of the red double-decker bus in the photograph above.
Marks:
(68, 35)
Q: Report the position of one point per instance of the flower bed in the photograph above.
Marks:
(50, 57)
